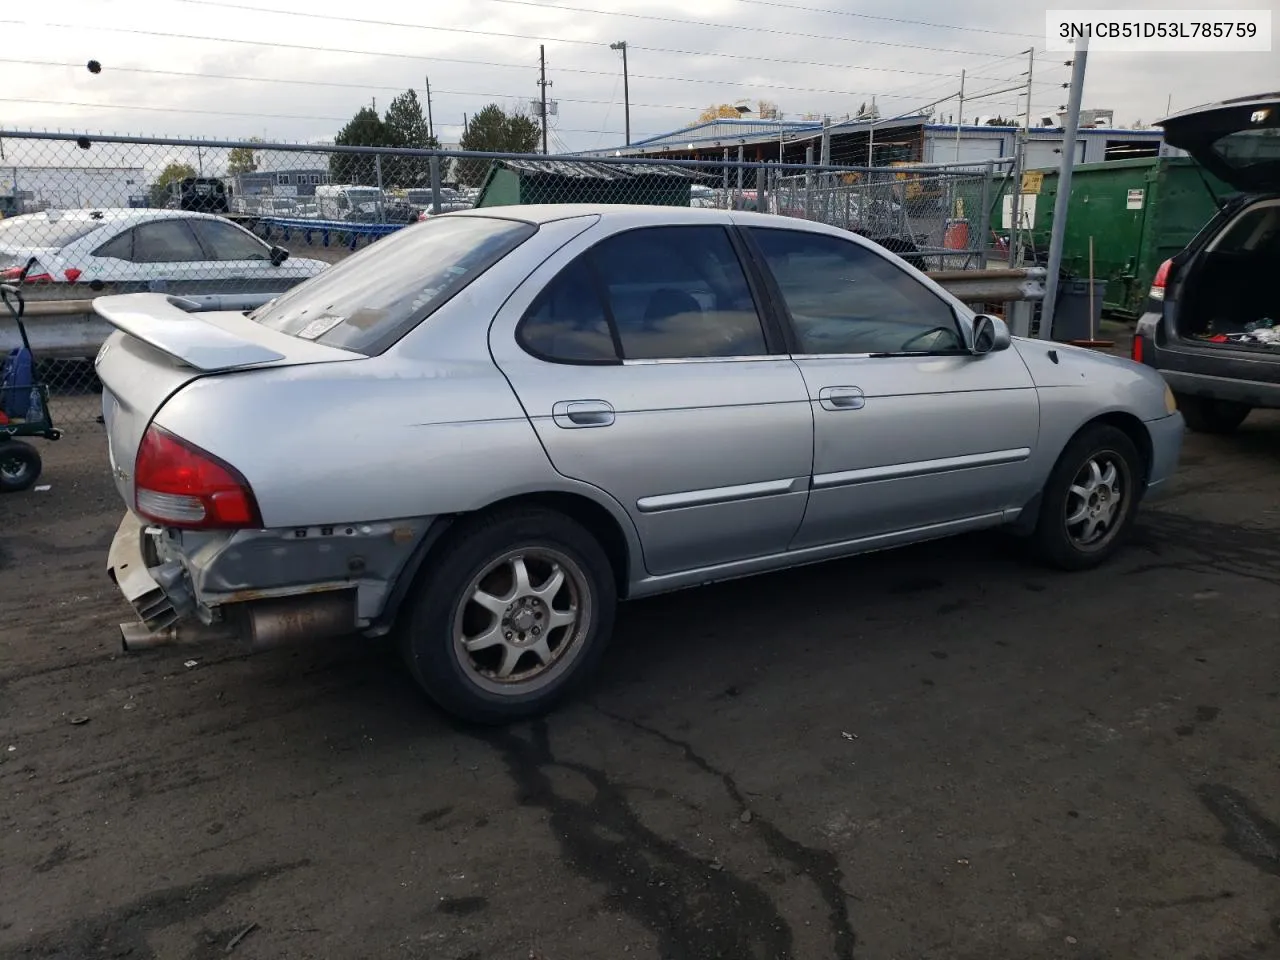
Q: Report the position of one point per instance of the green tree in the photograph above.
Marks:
(242, 159)
(406, 127)
(493, 130)
(365, 129)
(160, 187)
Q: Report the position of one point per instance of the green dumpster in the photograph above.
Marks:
(1139, 214)
(511, 182)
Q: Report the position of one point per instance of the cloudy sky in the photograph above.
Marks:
(295, 70)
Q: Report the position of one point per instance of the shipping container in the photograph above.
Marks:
(1138, 212)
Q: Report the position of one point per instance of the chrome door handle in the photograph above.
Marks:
(573, 414)
(841, 398)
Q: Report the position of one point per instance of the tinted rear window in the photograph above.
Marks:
(38, 230)
(371, 299)
(1244, 148)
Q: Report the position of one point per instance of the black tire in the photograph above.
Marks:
(1061, 544)
(430, 631)
(1207, 415)
(20, 466)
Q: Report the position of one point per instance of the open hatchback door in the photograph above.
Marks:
(1237, 140)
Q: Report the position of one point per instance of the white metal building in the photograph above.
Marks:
(41, 188)
(903, 139)
(1044, 145)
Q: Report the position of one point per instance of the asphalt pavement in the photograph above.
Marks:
(940, 752)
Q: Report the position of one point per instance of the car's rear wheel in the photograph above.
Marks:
(1090, 499)
(1207, 415)
(511, 614)
(20, 466)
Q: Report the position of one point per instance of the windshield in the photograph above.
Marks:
(41, 230)
(368, 301)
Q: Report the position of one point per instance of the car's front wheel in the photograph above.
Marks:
(1207, 415)
(1090, 500)
(512, 612)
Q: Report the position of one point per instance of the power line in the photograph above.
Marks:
(871, 16)
(121, 106)
(459, 93)
(346, 86)
(225, 4)
(688, 23)
(419, 58)
(222, 113)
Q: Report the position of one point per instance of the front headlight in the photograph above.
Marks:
(1170, 403)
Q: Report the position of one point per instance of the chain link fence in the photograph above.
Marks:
(88, 215)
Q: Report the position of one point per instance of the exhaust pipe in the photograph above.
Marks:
(135, 636)
(319, 616)
(265, 623)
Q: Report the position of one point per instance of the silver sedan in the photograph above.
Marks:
(482, 432)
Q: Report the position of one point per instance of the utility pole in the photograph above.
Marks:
(1019, 151)
(543, 83)
(431, 127)
(960, 117)
(374, 102)
(464, 124)
(1062, 201)
(626, 90)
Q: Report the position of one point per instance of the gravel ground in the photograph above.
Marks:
(934, 753)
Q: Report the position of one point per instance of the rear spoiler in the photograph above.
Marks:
(173, 326)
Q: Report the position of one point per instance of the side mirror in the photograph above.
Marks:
(278, 256)
(989, 335)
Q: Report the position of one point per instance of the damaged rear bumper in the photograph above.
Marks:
(187, 588)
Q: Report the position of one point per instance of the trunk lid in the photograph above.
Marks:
(1237, 140)
(163, 343)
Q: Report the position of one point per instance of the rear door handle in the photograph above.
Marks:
(841, 398)
(574, 414)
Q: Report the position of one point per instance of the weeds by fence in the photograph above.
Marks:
(103, 214)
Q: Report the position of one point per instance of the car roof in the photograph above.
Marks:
(631, 213)
(113, 214)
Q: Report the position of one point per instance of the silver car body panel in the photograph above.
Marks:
(710, 458)
(710, 469)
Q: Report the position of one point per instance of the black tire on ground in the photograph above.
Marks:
(1207, 415)
(20, 466)
(431, 630)
(1074, 485)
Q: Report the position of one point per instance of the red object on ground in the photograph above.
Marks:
(956, 236)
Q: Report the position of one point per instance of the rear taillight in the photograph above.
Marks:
(179, 485)
(1160, 281)
(1136, 348)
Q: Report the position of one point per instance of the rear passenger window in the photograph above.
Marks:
(659, 293)
(568, 323)
(117, 248)
(165, 241)
(678, 292)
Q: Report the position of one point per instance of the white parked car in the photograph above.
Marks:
(175, 251)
